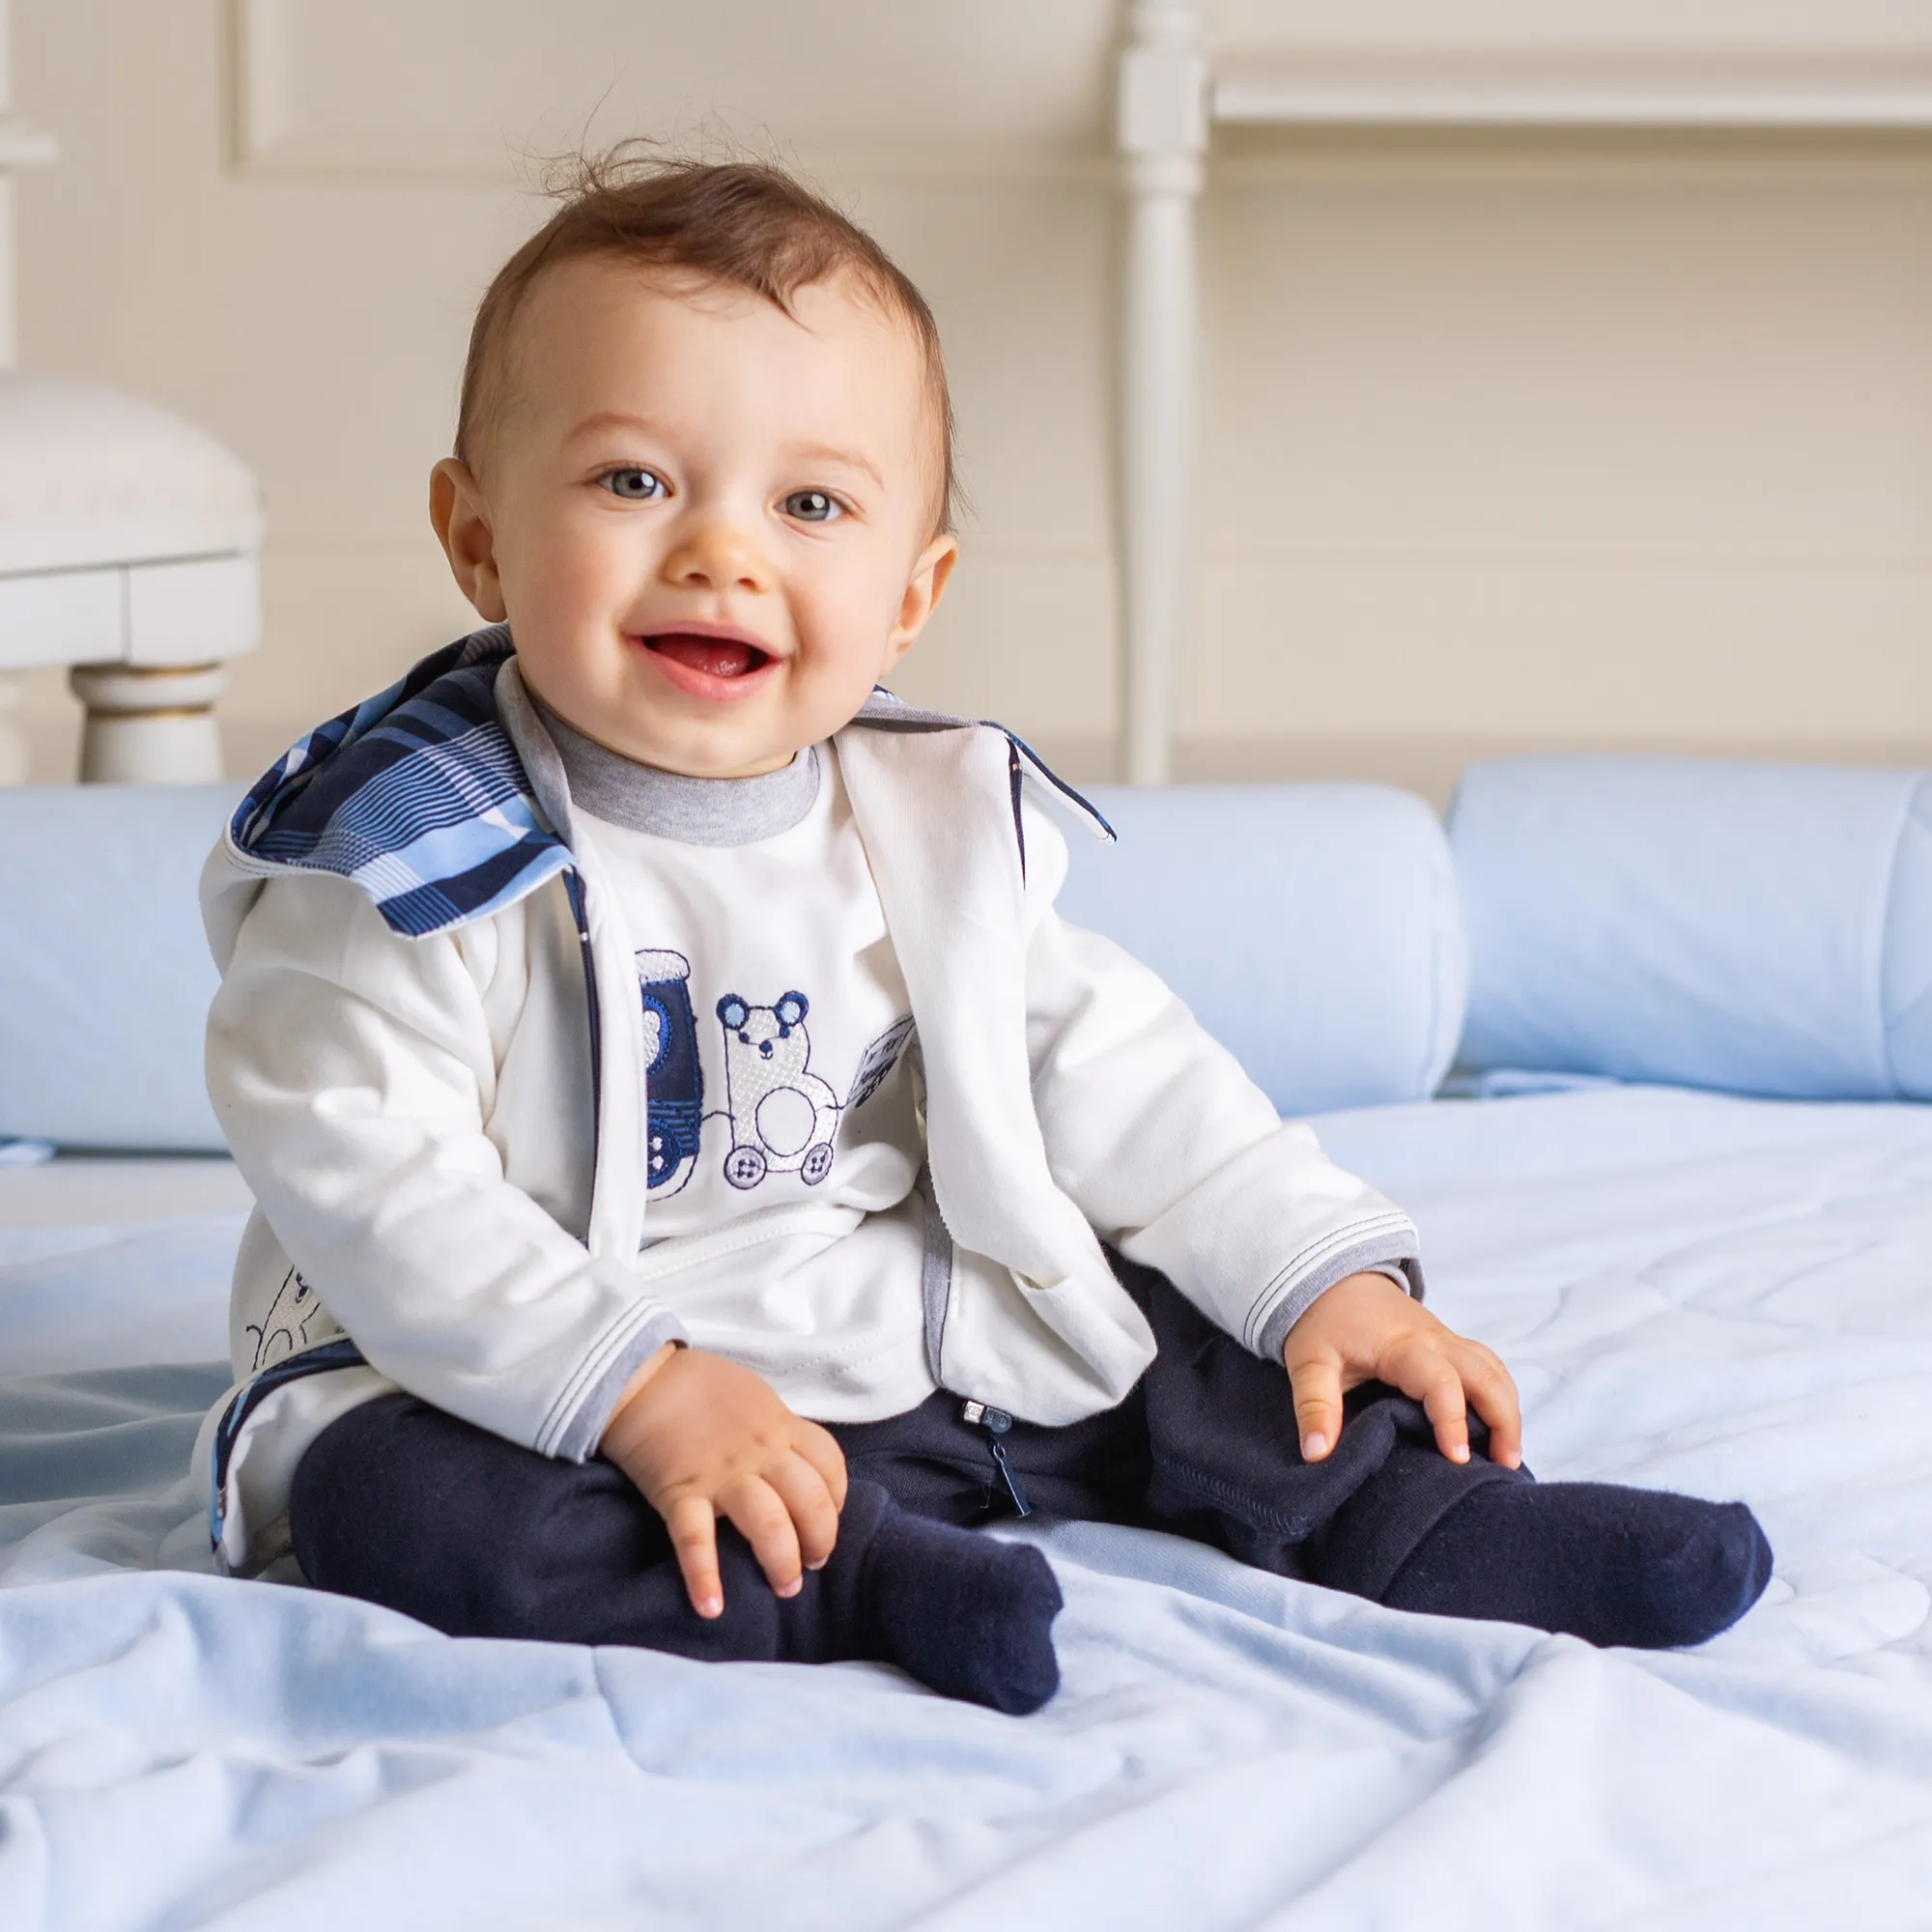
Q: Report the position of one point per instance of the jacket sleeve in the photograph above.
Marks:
(353, 1072)
(1172, 1153)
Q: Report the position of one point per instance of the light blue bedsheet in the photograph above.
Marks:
(1732, 1298)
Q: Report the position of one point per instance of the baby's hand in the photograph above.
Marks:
(1366, 1329)
(702, 1438)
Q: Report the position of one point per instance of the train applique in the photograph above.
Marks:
(673, 1077)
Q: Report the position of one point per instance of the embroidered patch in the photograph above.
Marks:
(674, 1079)
(783, 1115)
(295, 1320)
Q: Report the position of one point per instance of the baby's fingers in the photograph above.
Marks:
(815, 1515)
(1317, 1388)
(1491, 1393)
(694, 1535)
(820, 1448)
(1433, 1381)
(766, 1524)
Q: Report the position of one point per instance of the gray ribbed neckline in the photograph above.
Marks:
(695, 811)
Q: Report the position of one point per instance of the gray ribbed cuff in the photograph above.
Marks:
(586, 1430)
(1367, 1257)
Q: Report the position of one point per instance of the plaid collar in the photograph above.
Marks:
(419, 797)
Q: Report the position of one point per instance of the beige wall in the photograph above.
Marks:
(1508, 442)
(1566, 444)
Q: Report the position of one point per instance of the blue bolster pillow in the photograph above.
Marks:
(104, 973)
(1312, 928)
(1758, 928)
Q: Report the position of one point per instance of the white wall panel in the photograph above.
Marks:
(470, 86)
(1607, 443)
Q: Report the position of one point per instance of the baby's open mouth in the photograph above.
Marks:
(714, 657)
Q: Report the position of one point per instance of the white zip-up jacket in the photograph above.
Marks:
(426, 1052)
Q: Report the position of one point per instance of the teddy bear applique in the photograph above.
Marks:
(783, 1115)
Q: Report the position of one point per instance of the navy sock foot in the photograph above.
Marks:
(967, 1615)
(1613, 1566)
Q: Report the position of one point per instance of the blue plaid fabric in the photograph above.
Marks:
(417, 794)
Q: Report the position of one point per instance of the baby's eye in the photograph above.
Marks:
(635, 486)
(812, 506)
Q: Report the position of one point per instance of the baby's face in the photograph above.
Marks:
(708, 521)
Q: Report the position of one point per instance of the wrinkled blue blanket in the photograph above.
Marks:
(1720, 1295)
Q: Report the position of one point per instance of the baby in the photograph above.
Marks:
(700, 1176)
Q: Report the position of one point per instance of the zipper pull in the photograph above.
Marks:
(1021, 1506)
(996, 1422)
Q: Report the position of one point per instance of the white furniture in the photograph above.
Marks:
(129, 544)
(1174, 89)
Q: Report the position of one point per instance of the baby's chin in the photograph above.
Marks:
(733, 747)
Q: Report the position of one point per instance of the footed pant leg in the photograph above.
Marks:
(1387, 1515)
(1227, 1464)
(1613, 1566)
(403, 1505)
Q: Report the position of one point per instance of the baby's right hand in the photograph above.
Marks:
(702, 1438)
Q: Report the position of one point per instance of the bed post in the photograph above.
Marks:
(1163, 138)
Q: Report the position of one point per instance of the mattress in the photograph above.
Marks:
(1725, 1296)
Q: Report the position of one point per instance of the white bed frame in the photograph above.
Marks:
(1173, 92)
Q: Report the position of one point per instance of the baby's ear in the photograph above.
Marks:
(461, 518)
(930, 571)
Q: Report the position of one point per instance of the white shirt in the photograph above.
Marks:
(783, 1145)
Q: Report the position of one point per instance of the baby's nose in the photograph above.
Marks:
(716, 552)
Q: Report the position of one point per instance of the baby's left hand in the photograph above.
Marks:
(1366, 1329)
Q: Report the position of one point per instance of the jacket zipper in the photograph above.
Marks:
(996, 1422)
(580, 911)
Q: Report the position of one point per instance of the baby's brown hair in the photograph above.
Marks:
(744, 223)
